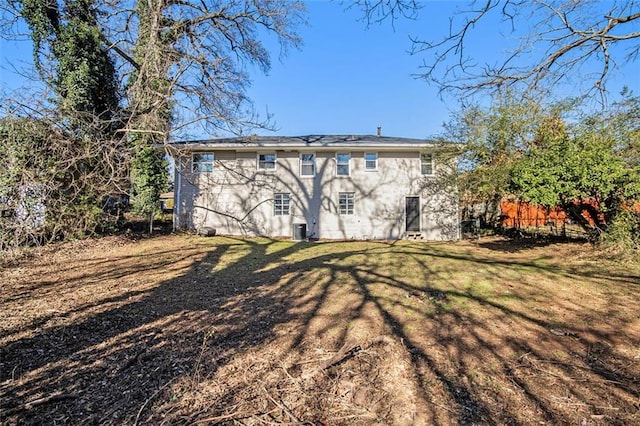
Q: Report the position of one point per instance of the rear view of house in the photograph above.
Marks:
(330, 187)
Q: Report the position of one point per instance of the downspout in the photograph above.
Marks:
(459, 236)
(457, 200)
(176, 193)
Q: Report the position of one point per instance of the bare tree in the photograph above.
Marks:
(195, 57)
(63, 159)
(203, 51)
(554, 42)
(179, 63)
(378, 11)
(56, 183)
(186, 63)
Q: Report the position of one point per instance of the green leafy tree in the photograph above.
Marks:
(182, 63)
(66, 156)
(53, 183)
(525, 150)
(494, 138)
(70, 55)
(577, 170)
(623, 121)
(150, 103)
(149, 179)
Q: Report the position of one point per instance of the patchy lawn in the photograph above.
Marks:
(189, 330)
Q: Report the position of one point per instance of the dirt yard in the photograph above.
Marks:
(188, 330)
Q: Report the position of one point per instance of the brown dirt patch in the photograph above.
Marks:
(188, 330)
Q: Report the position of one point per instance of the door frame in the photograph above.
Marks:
(406, 197)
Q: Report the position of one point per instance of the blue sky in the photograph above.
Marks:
(347, 78)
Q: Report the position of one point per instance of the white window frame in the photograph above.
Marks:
(430, 163)
(342, 163)
(262, 162)
(281, 204)
(375, 161)
(307, 163)
(197, 166)
(346, 207)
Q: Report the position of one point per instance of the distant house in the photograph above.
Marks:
(329, 187)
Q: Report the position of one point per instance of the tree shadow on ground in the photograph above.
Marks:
(163, 326)
(242, 324)
(517, 241)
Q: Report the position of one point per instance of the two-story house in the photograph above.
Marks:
(329, 187)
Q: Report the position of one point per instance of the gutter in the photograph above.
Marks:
(300, 148)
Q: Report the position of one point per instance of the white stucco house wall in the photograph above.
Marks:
(327, 187)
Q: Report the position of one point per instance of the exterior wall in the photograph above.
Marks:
(237, 198)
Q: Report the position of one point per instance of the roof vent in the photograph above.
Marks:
(379, 131)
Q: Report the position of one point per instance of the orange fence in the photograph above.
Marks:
(519, 214)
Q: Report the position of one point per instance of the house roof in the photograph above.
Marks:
(309, 142)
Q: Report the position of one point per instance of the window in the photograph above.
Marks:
(426, 164)
(370, 161)
(307, 164)
(266, 161)
(202, 163)
(281, 203)
(342, 164)
(345, 202)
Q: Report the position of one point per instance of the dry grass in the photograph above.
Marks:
(188, 330)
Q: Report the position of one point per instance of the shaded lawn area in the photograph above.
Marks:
(187, 330)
